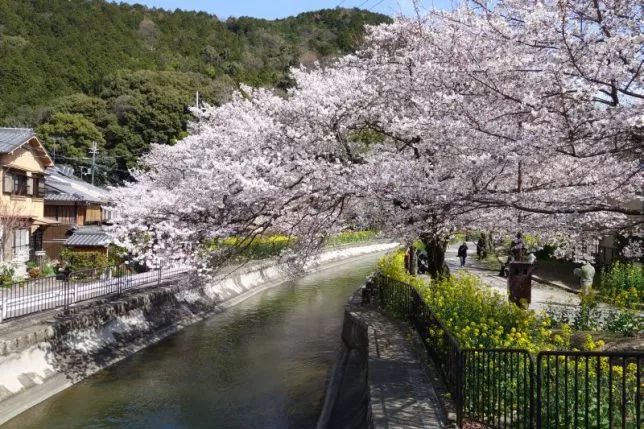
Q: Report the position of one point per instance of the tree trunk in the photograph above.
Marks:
(489, 244)
(436, 247)
(413, 261)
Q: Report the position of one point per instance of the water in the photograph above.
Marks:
(262, 364)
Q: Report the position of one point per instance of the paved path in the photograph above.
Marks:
(401, 390)
(542, 295)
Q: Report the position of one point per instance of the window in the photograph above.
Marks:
(17, 183)
(107, 214)
(21, 243)
(38, 186)
(7, 183)
(63, 214)
(37, 237)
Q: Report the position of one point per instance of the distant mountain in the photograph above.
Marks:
(123, 75)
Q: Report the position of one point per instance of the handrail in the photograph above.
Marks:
(62, 290)
(513, 388)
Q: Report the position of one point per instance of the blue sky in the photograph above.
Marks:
(281, 8)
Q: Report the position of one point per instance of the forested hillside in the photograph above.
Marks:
(87, 70)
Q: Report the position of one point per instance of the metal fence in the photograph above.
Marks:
(404, 301)
(587, 389)
(498, 387)
(61, 291)
(510, 388)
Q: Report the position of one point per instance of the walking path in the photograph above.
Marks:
(401, 391)
(542, 295)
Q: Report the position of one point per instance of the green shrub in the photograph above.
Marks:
(347, 237)
(392, 265)
(116, 255)
(48, 270)
(622, 283)
(78, 261)
(475, 314)
(36, 271)
(587, 315)
(458, 237)
(7, 271)
(626, 322)
(481, 317)
(258, 247)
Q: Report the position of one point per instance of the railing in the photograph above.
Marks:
(587, 389)
(498, 387)
(404, 301)
(61, 291)
(510, 388)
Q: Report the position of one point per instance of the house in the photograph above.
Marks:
(90, 238)
(75, 205)
(24, 161)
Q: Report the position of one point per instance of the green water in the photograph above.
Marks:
(261, 364)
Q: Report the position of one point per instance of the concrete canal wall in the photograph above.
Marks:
(381, 378)
(44, 354)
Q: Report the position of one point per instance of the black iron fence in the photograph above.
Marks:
(47, 293)
(586, 389)
(498, 387)
(404, 301)
(510, 388)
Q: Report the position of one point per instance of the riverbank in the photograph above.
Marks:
(45, 356)
(381, 378)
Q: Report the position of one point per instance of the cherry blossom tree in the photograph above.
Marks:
(500, 93)
(509, 116)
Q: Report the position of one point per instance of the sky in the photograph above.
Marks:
(271, 9)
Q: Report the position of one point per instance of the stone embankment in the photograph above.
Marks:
(381, 379)
(43, 354)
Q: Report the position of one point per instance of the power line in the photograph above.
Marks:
(377, 4)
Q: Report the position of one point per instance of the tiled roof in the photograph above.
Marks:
(63, 197)
(88, 236)
(62, 187)
(13, 138)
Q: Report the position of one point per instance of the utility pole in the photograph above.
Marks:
(93, 151)
(55, 139)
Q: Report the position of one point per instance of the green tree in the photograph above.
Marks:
(69, 136)
(125, 75)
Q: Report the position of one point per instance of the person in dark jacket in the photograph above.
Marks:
(423, 263)
(462, 253)
(480, 248)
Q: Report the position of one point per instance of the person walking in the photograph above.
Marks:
(462, 253)
(480, 248)
(586, 274)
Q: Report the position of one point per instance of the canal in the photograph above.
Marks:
(261, 364)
